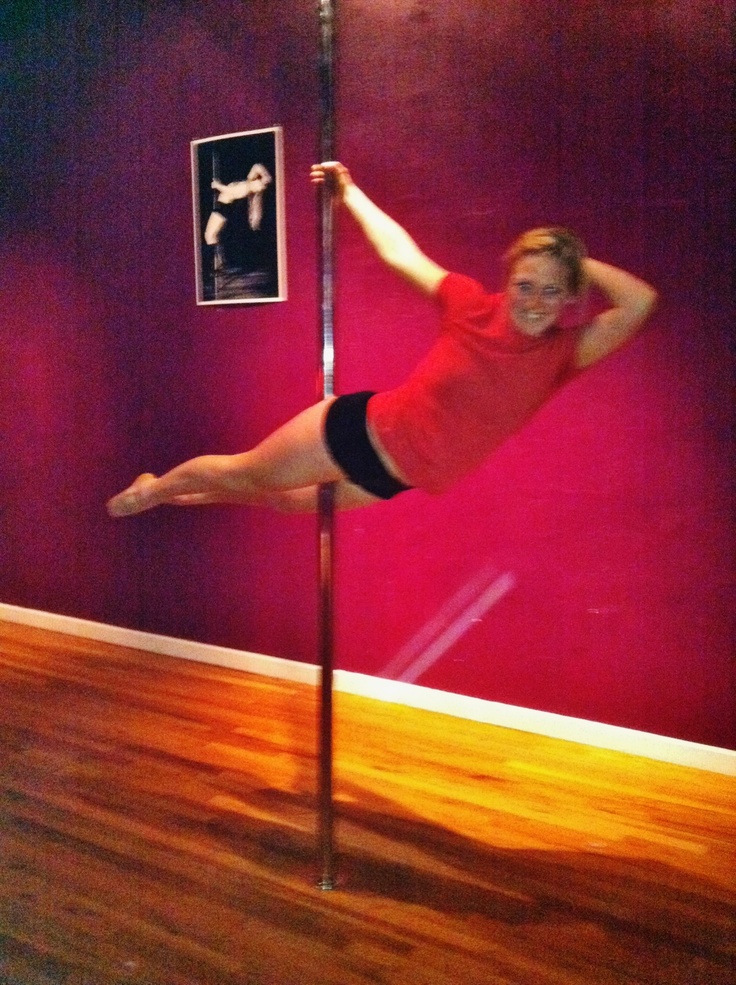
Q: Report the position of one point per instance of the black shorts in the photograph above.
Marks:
(346, 437)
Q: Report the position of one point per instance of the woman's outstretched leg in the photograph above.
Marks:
(347, 497)
(293, 457)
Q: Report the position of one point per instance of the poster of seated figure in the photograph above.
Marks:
(239, 237)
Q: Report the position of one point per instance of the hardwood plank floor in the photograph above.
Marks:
(158, 822)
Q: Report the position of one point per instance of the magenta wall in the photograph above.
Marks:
(588, 569)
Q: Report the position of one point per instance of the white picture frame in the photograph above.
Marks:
(238, 208)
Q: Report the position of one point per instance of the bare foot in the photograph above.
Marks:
(128, 502)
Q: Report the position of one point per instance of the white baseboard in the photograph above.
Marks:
(602, 736)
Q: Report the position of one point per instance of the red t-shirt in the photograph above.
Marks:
(479, 383)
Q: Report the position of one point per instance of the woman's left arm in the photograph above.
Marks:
(631, 299)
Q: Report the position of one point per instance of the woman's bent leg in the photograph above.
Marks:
(347, 497)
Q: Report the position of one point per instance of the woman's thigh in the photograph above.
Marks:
(295, 455)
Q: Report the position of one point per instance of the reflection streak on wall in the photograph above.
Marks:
(454, 619)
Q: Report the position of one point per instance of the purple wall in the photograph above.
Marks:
(587, 570)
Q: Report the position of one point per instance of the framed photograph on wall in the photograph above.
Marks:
(239, 235)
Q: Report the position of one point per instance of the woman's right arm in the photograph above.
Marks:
(391, 241)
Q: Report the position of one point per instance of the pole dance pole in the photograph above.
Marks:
(327, 491)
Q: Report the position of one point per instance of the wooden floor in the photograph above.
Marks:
(157, 826)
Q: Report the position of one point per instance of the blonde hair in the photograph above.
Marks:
(562, 244)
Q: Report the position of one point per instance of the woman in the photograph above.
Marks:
(251, 189)
(497, 360)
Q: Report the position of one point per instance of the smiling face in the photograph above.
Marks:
(538, 290)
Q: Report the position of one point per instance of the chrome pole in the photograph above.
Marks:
(326, 492)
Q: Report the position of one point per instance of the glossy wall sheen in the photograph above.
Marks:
(586, 570)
